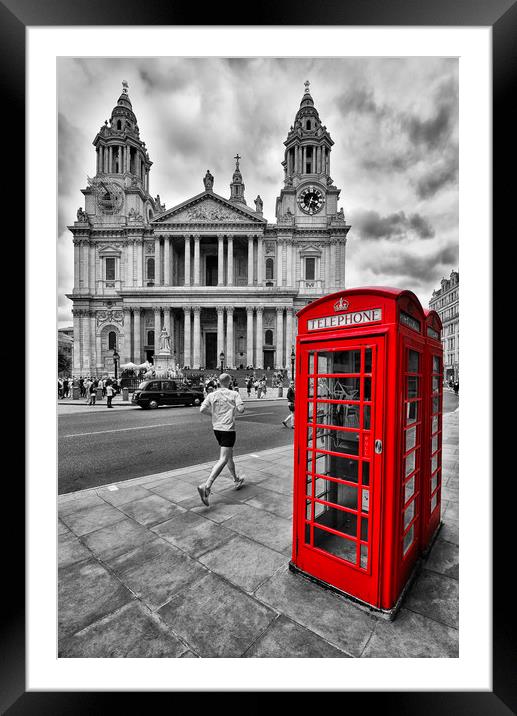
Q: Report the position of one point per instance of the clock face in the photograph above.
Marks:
(109, 195)
(311, 200)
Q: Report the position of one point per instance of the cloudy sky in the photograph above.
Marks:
(394, 123)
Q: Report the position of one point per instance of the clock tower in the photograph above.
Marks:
(308, 193)
(120, 187)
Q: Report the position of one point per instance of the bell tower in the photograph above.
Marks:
(237, 186)
(308, 193)
(121, 183)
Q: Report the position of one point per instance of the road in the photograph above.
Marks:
(101, 447)
(111, 446)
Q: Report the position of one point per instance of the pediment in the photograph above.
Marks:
(310, 250)
(207, 208)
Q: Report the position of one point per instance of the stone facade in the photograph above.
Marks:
(214, 272)
(445, 301)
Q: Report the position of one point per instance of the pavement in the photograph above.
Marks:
(146, 570)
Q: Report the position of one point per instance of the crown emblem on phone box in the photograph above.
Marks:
(341, 305)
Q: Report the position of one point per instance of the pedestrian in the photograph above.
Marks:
(222, 404)
(65, 388)
(290, 405)
(59, 388)
(92, 392)
(82, 387)
(456, 387)
(249, 385)
(109, 393)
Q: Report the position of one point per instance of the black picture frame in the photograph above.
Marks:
(501, 16)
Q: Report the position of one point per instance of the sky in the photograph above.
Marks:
(394, 123)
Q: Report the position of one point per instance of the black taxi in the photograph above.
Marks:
(153, 393)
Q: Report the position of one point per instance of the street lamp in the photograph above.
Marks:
(292, 363)
(115, 360)
(221, 358)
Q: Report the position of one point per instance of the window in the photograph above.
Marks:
(110, 269)
(269, 269)
(150, 269)
(150, 338)
(308, 124)
(310, 269)
(269, 338)
(112, 340)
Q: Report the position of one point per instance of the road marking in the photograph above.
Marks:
(118, 430)
(249, 415)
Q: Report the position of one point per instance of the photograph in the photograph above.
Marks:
(258, 273)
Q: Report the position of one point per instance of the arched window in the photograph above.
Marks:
(269, 338)
(150, 269)
(112, 340)
(270, 265)
(119, 124)
(150, 338)
(308, 124)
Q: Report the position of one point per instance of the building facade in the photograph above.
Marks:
(212, 270)
(445, 301)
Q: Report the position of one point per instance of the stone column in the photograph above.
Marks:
(220, 331)
(289, 339)
(98, 345)
(76, 355)
(259, 361)
(166, 261)
(110, 160)
(260, 260)
(172, 331)
(187, 266)
(157, 263)
(333, 265)
(289, 262)
(249, 336)
(197, 277)
(250, 260)
(220, 259)
(93, 346)
(137, 337)
(85, 347)
(91, 277)
(197, 337)
(157, 327)
(230, 262)
(186, 337)
(126, 355)
(279, 338)
(230, 361)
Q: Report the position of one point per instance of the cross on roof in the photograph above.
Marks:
(237, 158)
(124, 86)
(306, 83)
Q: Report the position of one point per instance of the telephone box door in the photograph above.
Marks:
(339, 409)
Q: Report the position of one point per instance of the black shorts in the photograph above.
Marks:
(225, 438)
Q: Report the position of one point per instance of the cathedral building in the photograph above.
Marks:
(224, 282)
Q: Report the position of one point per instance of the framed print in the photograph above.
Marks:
(66, 70)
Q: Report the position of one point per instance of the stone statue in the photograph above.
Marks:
(165, 340)
(81, 215)
(208, 181)
(258, 204)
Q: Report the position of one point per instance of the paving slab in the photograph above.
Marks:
(451, 511)
(193, 534)
(215, 618)
(444, 559)
(128, 632)
(89, 519)
(87, 592)
(275, 484)
(123, 494)
(264, 527)
(271, 502)
(243, 562)
(174, 489)
(412, 636)
(71, 550)
(116, 539)
(79, 502)
(332, 617)
(434, 596)
(220, 509)
(450, 532)
(151, 510)
(284, 639)
(156, 571)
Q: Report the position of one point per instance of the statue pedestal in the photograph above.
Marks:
(163, 361)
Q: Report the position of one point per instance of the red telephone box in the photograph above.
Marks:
(433, 392)
(360, 442)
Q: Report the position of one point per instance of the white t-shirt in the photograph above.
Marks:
(222, 405)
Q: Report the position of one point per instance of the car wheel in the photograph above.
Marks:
(153, 404)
